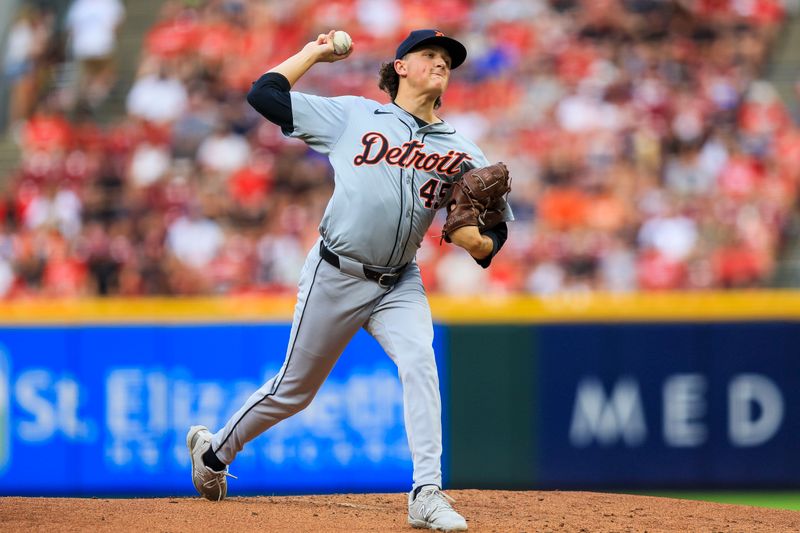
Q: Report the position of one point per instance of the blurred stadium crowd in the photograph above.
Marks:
(647, 151)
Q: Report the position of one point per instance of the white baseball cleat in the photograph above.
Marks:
(209, 483)
(431, 509)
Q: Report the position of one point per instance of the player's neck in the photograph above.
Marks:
(418, 105)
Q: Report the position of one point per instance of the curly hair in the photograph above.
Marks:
(389, 82)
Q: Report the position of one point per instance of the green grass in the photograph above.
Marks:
(772, 499)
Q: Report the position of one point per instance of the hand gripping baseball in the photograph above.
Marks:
(323, 49)
(477, 199)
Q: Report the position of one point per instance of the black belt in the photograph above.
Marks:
(384, 279)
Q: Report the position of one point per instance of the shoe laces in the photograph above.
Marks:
(440, 499)
(447, 497)
(217, 478)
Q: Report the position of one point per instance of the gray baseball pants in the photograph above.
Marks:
(331, 307)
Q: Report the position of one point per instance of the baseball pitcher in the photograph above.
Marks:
(395, 164)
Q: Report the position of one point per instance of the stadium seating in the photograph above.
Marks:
(647, 152)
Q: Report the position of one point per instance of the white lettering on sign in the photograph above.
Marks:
(50, 405)
(755, 410)
(607, 419)
(684, 407)
(143, 406)
(149, 410)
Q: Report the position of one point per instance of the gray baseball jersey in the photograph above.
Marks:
(391, 175)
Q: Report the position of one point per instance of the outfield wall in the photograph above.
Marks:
(639, 392)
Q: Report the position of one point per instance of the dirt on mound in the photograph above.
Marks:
(489, 511)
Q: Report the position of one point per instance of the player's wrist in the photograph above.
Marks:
(310, 55)
(483, 247)
(477, 245)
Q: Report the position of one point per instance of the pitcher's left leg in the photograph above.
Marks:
(402, 324)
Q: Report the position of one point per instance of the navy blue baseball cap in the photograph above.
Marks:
(419, 37)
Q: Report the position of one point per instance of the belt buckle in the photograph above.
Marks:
(391, 275)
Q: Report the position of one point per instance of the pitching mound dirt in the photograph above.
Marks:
(495, 511)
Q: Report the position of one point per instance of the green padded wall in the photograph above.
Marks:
(491, 415)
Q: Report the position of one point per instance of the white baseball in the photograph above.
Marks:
(341, 42)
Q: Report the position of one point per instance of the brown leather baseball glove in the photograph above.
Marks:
(477, 199)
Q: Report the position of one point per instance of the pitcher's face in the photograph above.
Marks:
(426, 69)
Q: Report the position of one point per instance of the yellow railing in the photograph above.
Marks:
(606, 307)
(590, 307)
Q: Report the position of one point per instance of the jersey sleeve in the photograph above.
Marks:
(269, 95)
(499, 236)
(508, 213)
(319, 121)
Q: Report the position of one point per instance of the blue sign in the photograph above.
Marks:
(105, 410)
(669, 405)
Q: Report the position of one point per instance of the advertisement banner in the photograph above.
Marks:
(668, 405)
(105, 410)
